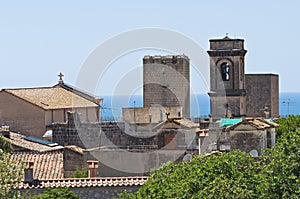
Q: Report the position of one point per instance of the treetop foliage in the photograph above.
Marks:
(276, 174)
(58, 193)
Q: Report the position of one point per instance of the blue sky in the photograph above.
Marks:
(39, 39)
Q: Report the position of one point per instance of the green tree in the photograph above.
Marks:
(282, 163)
(58, 193)
(276, 174)
(5, 145)
(11, 173)
(80, 173)
(222, 175)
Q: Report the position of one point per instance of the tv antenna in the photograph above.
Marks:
(288, 105)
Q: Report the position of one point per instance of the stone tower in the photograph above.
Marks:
(166, 82)
(262, 95)
(227, 77)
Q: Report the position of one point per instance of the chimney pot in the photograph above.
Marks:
(5, 131)
(28, 172)
(93, 168)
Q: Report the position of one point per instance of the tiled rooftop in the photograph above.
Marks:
(258, 123)
(183, 123)
(18, 140)
(48, 165)
(89, 182)
(51, 98)
(186, 123)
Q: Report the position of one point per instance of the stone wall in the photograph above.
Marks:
(91, 135)
(72, 160)
(166, 82)
(247, 141)
(230, 52)
(262, 91)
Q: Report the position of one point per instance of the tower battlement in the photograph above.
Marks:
(167, 59)
(226, 44)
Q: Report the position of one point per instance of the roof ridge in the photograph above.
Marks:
(42, 87)
(82, 182)
(38, 152)
(39, 97)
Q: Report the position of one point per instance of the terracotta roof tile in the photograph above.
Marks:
(88, 182)
(48, 165)
(258, 123)
(186, 123)
(51, 98)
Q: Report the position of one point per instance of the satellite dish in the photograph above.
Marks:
(254, 153)
(187, 157)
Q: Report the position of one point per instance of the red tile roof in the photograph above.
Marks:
(48, 165)
(89, 182)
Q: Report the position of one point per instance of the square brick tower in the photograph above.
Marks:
(166, 82)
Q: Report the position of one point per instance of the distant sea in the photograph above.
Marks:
(111, 106)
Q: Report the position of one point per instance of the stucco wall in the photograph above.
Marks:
(21, 116)
(153, 114)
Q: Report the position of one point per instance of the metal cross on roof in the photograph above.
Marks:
(60, 76)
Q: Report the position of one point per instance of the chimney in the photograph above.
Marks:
(28, 172)
(5, 131)
(93, 168)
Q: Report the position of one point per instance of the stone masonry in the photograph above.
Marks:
(166, 82)
(227, 78)
(262, 95)
(234, 93)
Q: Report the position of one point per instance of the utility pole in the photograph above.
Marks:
(288, 104)
(134, 112)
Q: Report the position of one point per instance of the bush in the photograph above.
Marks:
(80, 173)
(58, 193)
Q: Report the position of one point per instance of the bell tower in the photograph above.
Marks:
(227, 77)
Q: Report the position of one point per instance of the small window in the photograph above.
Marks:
(225, 71)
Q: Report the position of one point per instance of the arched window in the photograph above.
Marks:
(225, 71)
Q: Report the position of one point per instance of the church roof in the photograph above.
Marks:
(51, 98)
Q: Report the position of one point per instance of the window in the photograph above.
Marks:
(225, 71)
